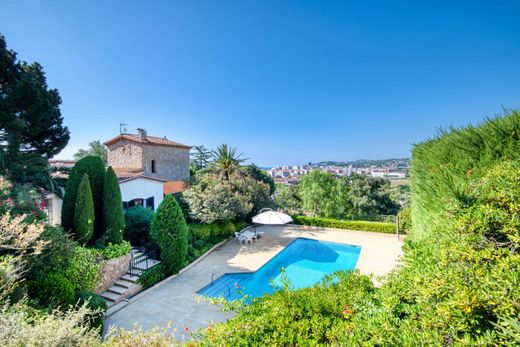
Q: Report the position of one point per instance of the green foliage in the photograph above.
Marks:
(319, 315)
(370, 196)
(258, 174)
(211, 199)
(226, 161)
(95, 148)
(287, 199)
(30, 119)
(152, 276)
(405, 220)
(200, 231)
(96, 304)
(169, 230)
(84, 212)
(83, 269)
(323, 195)
(137, 225)
(379, 227)
(55, 288)
(200, 157)
(112, 251)
(113, 214)
(95, 169)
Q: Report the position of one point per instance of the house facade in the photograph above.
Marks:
(147, 167)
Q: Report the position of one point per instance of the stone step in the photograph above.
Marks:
(117, 289)
(123, 283)
(111, 296)
(129, 278)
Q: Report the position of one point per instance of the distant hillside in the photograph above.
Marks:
(365, 163)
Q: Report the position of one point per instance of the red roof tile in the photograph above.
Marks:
(150, 140)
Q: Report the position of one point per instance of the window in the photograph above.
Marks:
(135, 202)
(150, 203)
(154, 169)
(125, 206)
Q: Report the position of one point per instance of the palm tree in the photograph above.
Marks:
(226, 161)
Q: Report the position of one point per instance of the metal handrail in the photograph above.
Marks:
(132, 269)
(224, 283)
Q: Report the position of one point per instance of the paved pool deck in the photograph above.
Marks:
(176, 300)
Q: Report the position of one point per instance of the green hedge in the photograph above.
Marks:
(388, 228)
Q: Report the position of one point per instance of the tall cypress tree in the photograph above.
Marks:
(113, 214)
(169, 230)
(95, 169)
(84, 212)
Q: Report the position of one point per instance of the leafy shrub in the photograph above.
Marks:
(319, 315)
(405, 220)
(111, 251)
(83, 269)
(55, 288)
(137, 225)
(96, 304)
(113, 214)
(95, 169)
(84, 213)
(169, 230)
(200, 231)
(379, 227)
(152, 276)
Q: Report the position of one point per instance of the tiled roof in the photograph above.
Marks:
(172, 187)
(150, 140)
(127, 174)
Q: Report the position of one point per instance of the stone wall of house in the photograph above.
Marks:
(125, 154)
(111, 271)
(172, 164)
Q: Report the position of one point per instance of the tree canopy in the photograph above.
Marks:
(31, 124)
(95, 148)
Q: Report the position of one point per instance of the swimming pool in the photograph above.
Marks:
(306, 262)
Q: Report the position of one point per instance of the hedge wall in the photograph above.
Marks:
(443, 166)
(379, 227)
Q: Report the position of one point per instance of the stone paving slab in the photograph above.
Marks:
(175, 299)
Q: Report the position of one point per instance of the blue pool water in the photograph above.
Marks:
(305, 261)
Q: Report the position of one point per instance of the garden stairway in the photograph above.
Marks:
(126, 286)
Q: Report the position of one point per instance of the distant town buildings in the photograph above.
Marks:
(291, 174)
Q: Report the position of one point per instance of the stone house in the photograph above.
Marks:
(148, 167)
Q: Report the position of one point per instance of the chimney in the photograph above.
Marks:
(141, 133)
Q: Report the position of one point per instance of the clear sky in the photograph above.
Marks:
(287, 82)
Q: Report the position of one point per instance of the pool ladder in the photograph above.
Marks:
(227, 285)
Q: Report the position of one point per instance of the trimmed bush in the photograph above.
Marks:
(388, 228)
(84, 212)
(83, 269)
(95, 169)
(169, 230)
(113, 214)
(137, 225)
(55, 288)
(152, 276)
(97, 304)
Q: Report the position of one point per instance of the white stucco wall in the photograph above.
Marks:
(54, 217)
(142, 188)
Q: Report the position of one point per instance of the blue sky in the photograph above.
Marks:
(284, 81)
